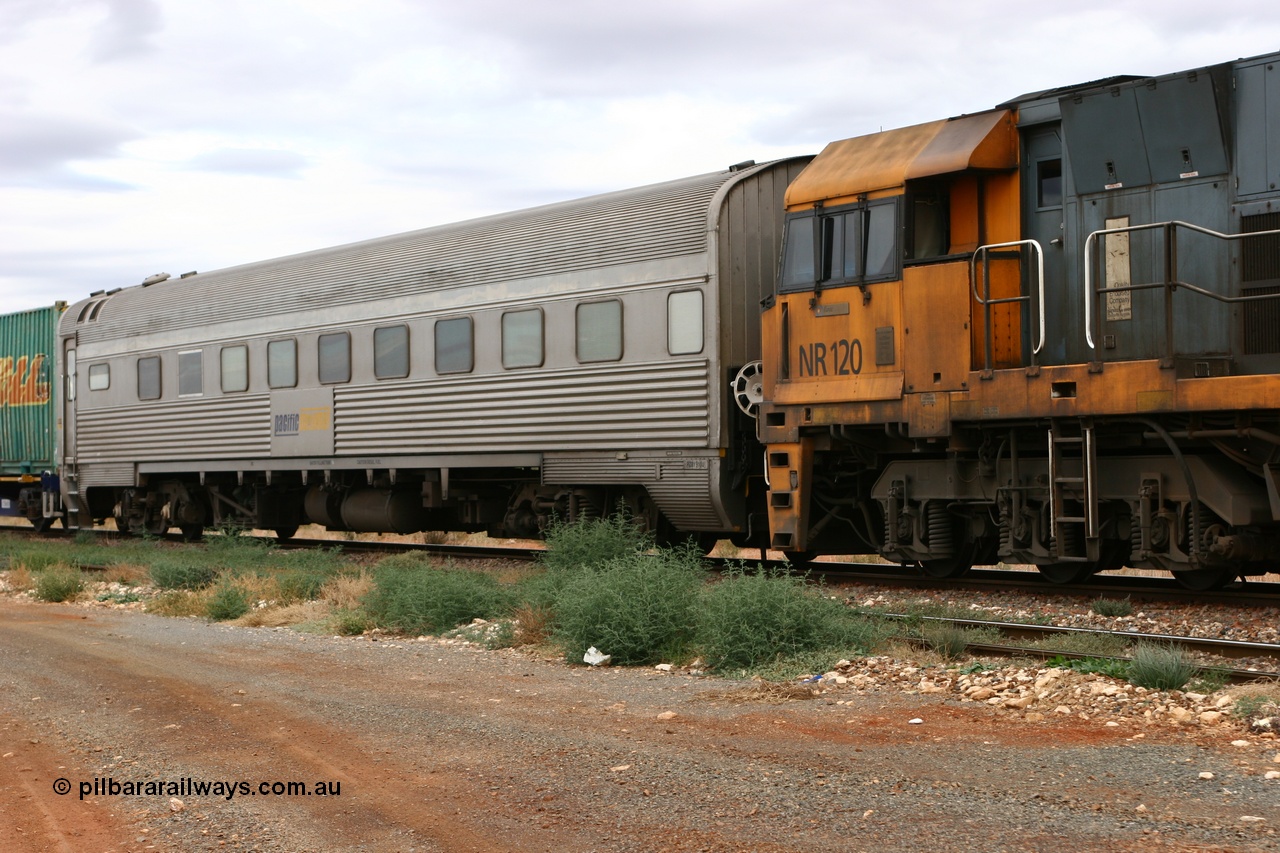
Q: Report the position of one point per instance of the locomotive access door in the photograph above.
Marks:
(1043, 220)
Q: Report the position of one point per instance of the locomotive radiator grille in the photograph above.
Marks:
(1260, 262)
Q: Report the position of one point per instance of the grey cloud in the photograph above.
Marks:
(263, 162)
(127, 29)
(39, 150)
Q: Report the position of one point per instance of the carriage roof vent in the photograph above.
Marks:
(188, 274)
(155, 279)
(745, 164)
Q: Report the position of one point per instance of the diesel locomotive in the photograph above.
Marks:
(1044, 334)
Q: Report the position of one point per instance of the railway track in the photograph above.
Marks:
(833, 571)
(1017, 639)
(1020, 639)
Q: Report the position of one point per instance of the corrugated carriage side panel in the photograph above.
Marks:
(28, 340)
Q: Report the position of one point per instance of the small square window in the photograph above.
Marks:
(190, 373)
(99, 377)
(1049, 178)
(522, 338)
(684, 322)
(149, 378)
(282, 363)
(235, 369)
(454, 351)
(600, 331)
(391, 352)
(334, 356)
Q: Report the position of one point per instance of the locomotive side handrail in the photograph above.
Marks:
(986, 302)
(1171, 273)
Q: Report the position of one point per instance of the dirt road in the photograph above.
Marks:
(416, 745)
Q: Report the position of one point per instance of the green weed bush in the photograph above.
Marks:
(58, 582)
(227, 602)
(411, 596)
(635, 607)
(1160, 667)
(593, 542)
(750, 619)
(36, 559)
(1112, 606)
(574, 548)
(181, 571)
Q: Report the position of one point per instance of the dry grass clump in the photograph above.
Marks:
(345, 591)
(127, 574)
(284, 616)
(258, 588)
(533, 623)
(179, 602)
(21, 579)
(770, 692)
(1257, 701)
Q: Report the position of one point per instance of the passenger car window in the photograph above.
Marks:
(149, 378)
(522, 338)
(391, 352)
(282, 364)
(333, 353)
(600, 331)
(99, 377)
(454, 352)
(235, 368)
(684, 322)
(190, 373)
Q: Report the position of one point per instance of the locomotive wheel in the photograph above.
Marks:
(1065, 573)
(42, 524)
(1206, 580)
(950, 567)
(283, 533)
(192, 532)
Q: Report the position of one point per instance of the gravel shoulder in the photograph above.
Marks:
(428, 745)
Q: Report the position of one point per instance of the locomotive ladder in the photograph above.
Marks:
(70, 473)
(1073, 440)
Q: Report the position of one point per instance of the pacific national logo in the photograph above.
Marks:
(20, 382)
(305, 420)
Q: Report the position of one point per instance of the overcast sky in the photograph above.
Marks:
(145, 136)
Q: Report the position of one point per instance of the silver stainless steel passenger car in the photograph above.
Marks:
(486, 375)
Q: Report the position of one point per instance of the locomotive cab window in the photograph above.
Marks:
(854, 244)
(454, 350)
(333, 355)
(149, 378)
(391, 352)
(282, 363)
(522, 338)
(1049, 183)
(190, 373)
(600, 331)
(684, 322)
(928, 222)
(235, 368)
(99, 377)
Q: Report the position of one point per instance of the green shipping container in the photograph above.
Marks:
(28, 434)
